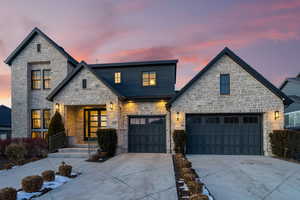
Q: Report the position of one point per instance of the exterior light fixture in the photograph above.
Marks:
(276, 114)
(57, 107)
(111, 105)
(177, 116)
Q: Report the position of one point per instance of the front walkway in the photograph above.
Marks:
(248, 177)
(127, 176)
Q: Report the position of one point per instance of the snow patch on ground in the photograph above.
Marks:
(59, 180)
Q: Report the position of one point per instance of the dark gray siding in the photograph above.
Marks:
(131, 85)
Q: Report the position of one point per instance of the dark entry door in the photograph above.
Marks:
(231, 134)
(93, 120)
(147, 134)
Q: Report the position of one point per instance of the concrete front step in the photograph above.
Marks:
(68, 155)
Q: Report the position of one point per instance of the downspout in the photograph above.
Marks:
(170, 126)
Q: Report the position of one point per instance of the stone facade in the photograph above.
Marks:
(247, 95)
(23, 98)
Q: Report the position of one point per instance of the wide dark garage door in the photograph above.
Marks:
(147, 134)
(224, 134)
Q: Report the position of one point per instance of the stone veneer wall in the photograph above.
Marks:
(142, 108)
(247, 95)
(23, 98)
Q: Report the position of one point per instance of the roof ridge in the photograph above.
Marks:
(135, 63)
(29, 37)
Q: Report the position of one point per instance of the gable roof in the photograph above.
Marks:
(293, 80)
(71, 75)
(28, 39)
(5, 116)
(244, 65)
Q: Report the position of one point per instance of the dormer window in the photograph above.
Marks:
(149, 78)
(38, 48)
(117, 77)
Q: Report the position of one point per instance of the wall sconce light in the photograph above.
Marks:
(177, 116)
(276, 114)
(111, 106)
(57, 107)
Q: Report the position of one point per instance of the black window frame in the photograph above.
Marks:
(33, 80)
(84, 83)
(149, 79)
(117, 79)
(224, 84)
(46, 122)
(33, 119)
(48, 79)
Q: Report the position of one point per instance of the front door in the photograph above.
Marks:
(93, 120)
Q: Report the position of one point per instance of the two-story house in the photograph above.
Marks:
(291, 87)
(227, 108)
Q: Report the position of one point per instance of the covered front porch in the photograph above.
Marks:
(83, 121)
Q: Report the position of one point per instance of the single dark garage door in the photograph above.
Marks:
(147, 134)
(232, 134)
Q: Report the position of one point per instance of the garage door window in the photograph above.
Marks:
(213, 120)
(250, 120)
(231, 120)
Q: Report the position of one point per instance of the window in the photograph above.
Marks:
(39, 134)
(36, 79)
(46, 78)
(103, 117)
(213, 120)
(117, 77)
(83, 83)
(36, 119)
(231, 120)
(149, 78)
(224, 84)
(38, 48)
(46, 118)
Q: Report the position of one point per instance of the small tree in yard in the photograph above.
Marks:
(56, 124)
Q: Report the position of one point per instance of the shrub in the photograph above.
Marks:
(188, 177)
(8, 194)
(8, 165)
(199, 197)
(185, 171)
(107, 140)
(179, 138)
(285, 143)
(184, 163)
(65, 170)
(32, 183)
(48, 175)
(56, 124)
(195, 187)
(16, 152)
(36, 147)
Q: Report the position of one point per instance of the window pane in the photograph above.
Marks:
(149, 78)
(36, 79)
(46, 118)
(224, 84)
(36, 118)
(117, 77)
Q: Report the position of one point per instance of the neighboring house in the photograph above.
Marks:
(227, 108)
(291, 87)
(5, 122)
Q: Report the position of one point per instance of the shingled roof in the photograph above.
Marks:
(5, 116)
(28, 39)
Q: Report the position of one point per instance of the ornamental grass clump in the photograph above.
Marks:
(65, 170)
(48, 175)
(32, 183)
(184, 163)
(189, 177)
(199, 197)
(8, 194)
(185, 171)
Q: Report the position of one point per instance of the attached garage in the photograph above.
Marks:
(232, 134)
(147, 134)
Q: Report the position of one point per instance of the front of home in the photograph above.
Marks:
(227, 108)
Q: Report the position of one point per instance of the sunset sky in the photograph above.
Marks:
(266, 34)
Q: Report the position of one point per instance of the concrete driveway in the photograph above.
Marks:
(248, 177)
(127, 176)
